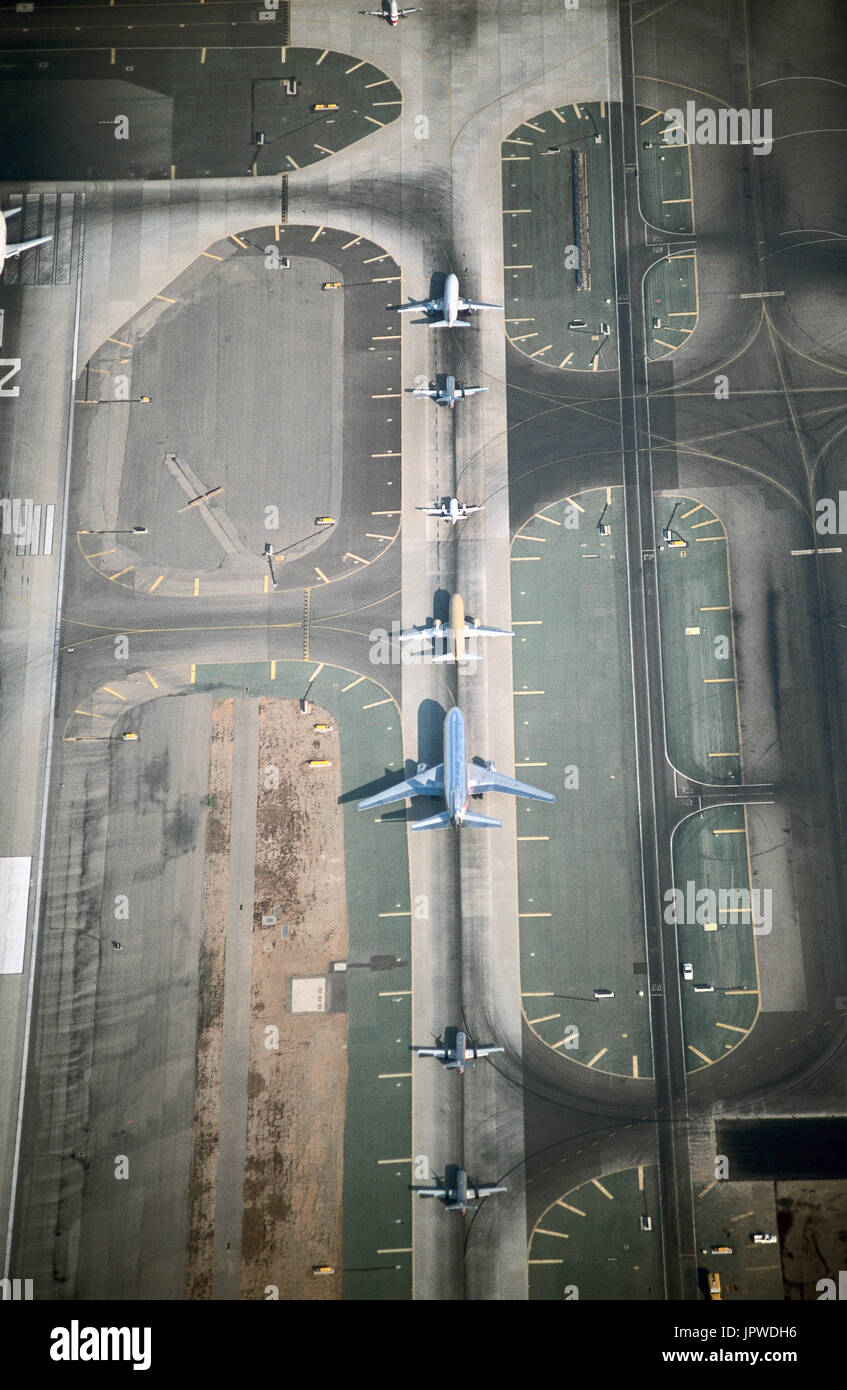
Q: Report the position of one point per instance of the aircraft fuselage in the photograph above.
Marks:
(456, 788)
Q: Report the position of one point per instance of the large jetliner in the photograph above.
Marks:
(452, 510)
(449, 304)
(15, 248)
(458, 1198)
(446, 392)
(456, 632)
(460, 1055)
(391, 13)
(456, 780)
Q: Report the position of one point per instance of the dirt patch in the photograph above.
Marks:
(812, 1220)
(297, 1090)
(202, 1190)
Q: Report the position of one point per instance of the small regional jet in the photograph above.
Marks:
(9, 249)
(390, 12)
(456, 780)
(452, 510)
(450, 304)
(446, 392)
(458, 1198)
(459, 1056)
(456, 632)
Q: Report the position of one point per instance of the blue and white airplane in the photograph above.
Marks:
(446, 392)
(456, 780)
(449, 304)
(460, 1055)
(458, 1198)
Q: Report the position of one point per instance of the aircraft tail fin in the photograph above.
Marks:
(445, 323)
(470, 818)
(434, 822)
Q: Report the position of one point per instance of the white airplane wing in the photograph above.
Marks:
(429, 783)
(428, 306)
(440, 1052)
(466, 509)
(418, 391)
(476, 1192)
(472, 305)
(433, 511)
(433, 1192)
(403, 13)
(469, 391)
(424, 634)
(485, 1051)
(477, 630)
(482, 780)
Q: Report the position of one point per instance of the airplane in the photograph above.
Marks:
(459, 1056)
(457, 631)
(452, 510)
(456, 780)
(450, 304)
(15, 248)
(458, 1198)
(391, 13)
(446, 392)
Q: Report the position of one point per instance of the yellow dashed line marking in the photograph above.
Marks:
(210, 256)
(542, 1231)
(370, 259)
(347, 72)
(391, 1075)
(196, 587)
(323, 55)
(354, 242)
(535, 914)
(323, 149)
(154, 586)
(699, 540)
(523, 337)
(545, 1018)
(533, 837)
(706, 1189)
(538, 351)
(357, 681)
(692, 632)
(574, 504)
(407, 913)
(554, 112)
(316, 234)
(565, 360)
(155, 684)
(529, 692)
(516, 559)
(193, 673)
(534, 127)
(202, 51)
(739, 831)
(634, 1064)
(321, 575)
(692, 510)
(273, 670)
(376, 703)
(605, 1191)
(717, 608)
(567, 1206)
(513, 141)
(95, 554)
(238, 241)
(373, 120)
(165, 298)
(316, 672)
(597, 1056)
(116, 693)
(577, 110)
(698, 1053)
(641, 1177)
(713, 521)
(118, 573)
(648, 119)
(90, 714)
(120, 342)
(719, 680)
(521, 536)
(731, 1026)
(723, 755)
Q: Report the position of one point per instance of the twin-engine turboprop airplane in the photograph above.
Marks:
(460, 1055)
(390, 13)
(449, 304)
(446, 392)
(456, 780)
(451, 509)
(459, 1198)
(456, 633)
